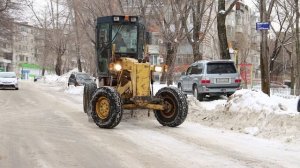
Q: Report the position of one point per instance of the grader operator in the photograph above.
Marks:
(125, 77)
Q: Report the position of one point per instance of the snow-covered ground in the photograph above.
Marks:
(247, 111)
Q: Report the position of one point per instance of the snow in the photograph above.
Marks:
(247, 111)
(251, 130)
(222, 12)
(74, 90)
(252, 101)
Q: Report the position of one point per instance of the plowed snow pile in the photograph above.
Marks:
(251, 112)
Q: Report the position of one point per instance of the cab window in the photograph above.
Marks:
(125, 38)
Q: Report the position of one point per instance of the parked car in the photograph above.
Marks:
(213, 78)
(79, 79)
(8, 80)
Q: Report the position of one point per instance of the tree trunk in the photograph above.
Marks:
(297, 74)
(43, 71)
(292, 78)
(170, 60)
(264, 56)
(221, 18)
(58, 65)
(78, 56)
(196, 52)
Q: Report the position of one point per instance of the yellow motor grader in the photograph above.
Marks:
(125, 77)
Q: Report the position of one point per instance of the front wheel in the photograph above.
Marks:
(106, 107)
(176, 107)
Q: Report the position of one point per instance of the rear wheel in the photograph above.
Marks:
(176, 107)
(106, 107)
(197, 95)
(88, 91)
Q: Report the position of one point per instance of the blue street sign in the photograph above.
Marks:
(262, 26)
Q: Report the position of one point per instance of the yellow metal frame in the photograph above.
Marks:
(138, 85)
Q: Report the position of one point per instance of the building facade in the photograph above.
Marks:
(20, 50)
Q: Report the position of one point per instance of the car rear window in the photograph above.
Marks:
(220, 68)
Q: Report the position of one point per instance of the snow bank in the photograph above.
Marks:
(253, 101)
(60, 81)
(250, 112)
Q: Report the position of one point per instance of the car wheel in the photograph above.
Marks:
(16, 88)
(195, 92)
(201, 96)
(197, 95)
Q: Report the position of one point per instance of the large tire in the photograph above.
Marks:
(177, 109)
(106, 107)
(88, 91)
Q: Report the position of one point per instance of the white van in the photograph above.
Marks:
(8, 80)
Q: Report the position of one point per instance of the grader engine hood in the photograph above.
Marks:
(135, 77)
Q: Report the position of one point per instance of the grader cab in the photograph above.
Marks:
(125, 77)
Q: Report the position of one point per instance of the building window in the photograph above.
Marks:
(27, 59)
(21, 57)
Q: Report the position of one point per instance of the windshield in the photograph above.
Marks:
(7, 75)
(125, 38)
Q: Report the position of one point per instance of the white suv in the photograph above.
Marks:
(9, 80)
(214, 78)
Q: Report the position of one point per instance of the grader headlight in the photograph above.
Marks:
(117, 67)
(158, 69)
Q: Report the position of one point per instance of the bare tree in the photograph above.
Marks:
(170, 15)
(74, 7)
(201, 13)
(221, 18)
(60, 17)
(283, 36)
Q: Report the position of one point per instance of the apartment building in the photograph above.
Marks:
(6, 53)
(19, 50)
